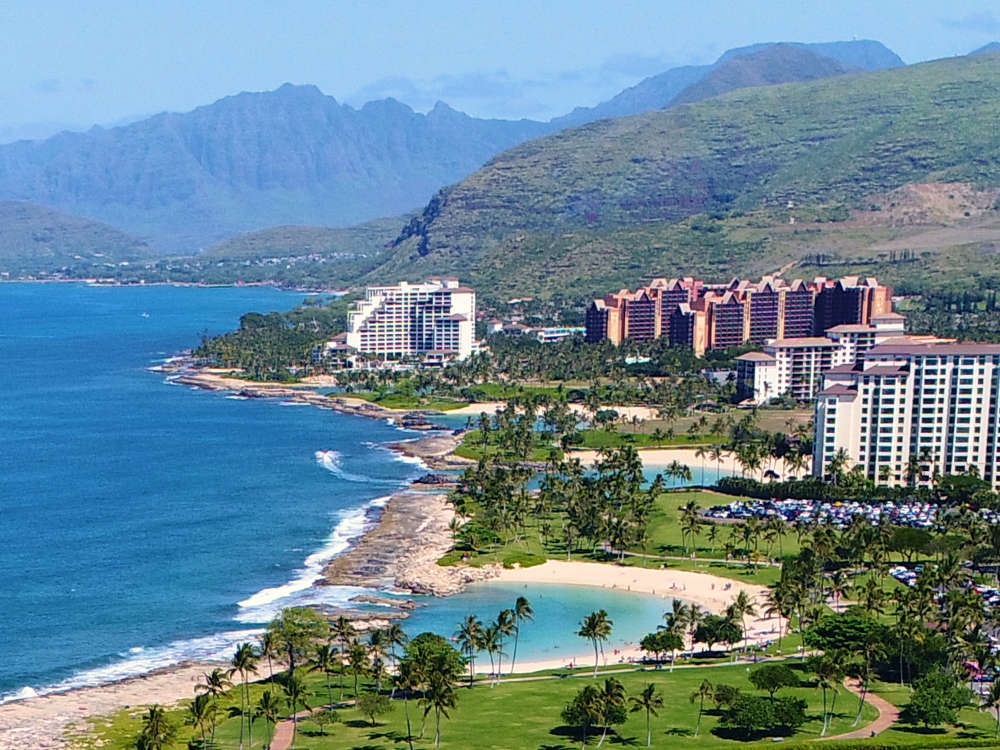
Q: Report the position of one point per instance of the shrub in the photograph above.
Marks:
(523, 559)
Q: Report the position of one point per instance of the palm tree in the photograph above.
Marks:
(649, 701)
(742, 606)
(597, 628)
(216, 683)
(490, 643)
(829, 673)
(522, 613)
(612, 698)
(469, 637)
(702, 452)
(377, 644)
(325, 660)
(407, 679)
(295, 690)
(704, 691)
(269, 649)
(357, 660)
(157, 731)
(838, 585)
(712, 535)
(394, 636)
(342, 629)
(268, 707)
(439, 696)
(506, 625)
(243, 662)
(201, 714)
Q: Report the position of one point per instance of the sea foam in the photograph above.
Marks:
(267, 602)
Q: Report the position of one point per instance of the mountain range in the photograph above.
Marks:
(294, 156)
(658, 192)
(681, 84)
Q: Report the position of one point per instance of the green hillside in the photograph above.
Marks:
(35, 238)
(702, 188)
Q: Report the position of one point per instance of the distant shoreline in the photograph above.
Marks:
(194, 284)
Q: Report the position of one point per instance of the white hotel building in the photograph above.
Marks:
(795, 366)
(435, 320)
(939, 403)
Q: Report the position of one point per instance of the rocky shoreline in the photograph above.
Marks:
(402, 550)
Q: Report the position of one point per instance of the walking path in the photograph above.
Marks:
(887, 715)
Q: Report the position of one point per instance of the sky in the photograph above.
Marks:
(72, 64)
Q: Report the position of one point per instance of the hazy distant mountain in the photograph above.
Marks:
(659, 91)
(779, 63)
(254, 160)
(987, 49)
(866, 54)
(34, 237)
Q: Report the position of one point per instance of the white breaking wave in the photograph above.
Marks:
(136, 661)
(266, 603)
(330, 460)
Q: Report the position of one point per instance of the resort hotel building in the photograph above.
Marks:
(906, 412)
(434, 320)
(703, 316)
(795, 366)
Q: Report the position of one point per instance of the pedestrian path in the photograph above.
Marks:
(887, 714)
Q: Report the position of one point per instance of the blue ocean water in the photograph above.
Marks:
(143, 523)
(135, 516)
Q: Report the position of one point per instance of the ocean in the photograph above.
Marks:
(144, 523)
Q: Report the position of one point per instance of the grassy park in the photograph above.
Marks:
(496, 718)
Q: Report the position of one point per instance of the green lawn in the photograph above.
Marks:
(393, 400)
(472, 448)
(597, 439)
(665, 540)
(518, 715)
(973, 724)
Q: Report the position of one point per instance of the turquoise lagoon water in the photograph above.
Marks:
(558, 612)
(144, 523)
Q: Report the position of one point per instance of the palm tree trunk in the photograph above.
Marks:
(513, 657)
(437, 729)
(243, 711)
(701, 710)
(595, 658)
(406, 710)
(822, 731)
(649, 731)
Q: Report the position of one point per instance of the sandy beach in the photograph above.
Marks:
(45, 722)
(653, 458)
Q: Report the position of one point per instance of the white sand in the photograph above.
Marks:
(653, 458)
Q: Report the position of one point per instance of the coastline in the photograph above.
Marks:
(398, 553)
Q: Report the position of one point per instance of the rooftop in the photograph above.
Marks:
(756, 357)
(934, 350)
(804, 342)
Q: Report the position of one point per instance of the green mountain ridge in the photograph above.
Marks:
(35, 238)
(619, 199)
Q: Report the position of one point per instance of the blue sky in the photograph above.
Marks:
(73, 63)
